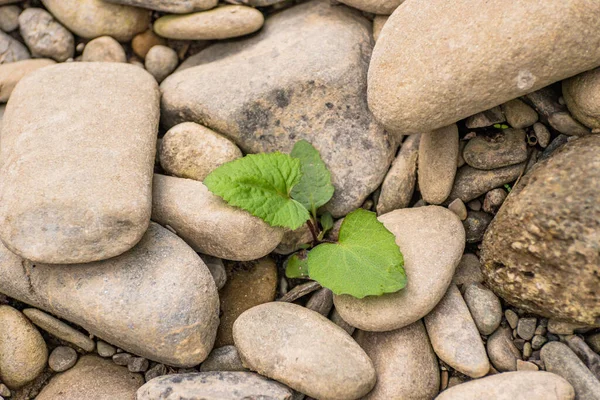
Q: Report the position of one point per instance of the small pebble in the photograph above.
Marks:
(4, 390)
(518, 114)
(527, 350)
(526, 328)
(526, 366)
(474, 205)
(541, 330)
(542, 133)
(143, 42)
(155, 371)
(217, 269)
(62, 358)
(538, 341)
(485, 308)
(104, 349)
(467, 272)
(122, 358)
(475, 225)
(519, 343)
(493, 200)
(9, 18)
(104, 49)
(443, 380)
(458, 207)
(485, 118)
(512, 318)
(502, 351)
(138, 364)
(224, 358)
(161, 61)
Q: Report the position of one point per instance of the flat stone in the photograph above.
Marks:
(383, 7)
(170, 6)
(208, 224)
(540, 252)
(44, 36)
(59, 329)
(62, 358)
(105, 349)
(454, 335)
(399, 183)
(300, 97)
(214, 385)
(468, 271)
(23, 352)
(405, 353)
(9, 18)
(248, 284)
(157, 300)
(438, 151)
(485, 118)
(12, 50)
(518, 114)
(471, 183)
(11, 73)
(93, 18)
(224, 358)
(104, 49)
(561, 360)
(192, 151)
(161, 61)
(530, 385)
(279, 339)
(475, 225)
(445, 50)
(526, 366)
(432, 240)
(581, 96)
(526, 328)
(502, 351)
(485, 308)
(62, 150)
(93, 378)
(496, 151)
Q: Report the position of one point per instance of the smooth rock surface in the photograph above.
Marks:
(214, 386)
(541, 251)
(12, 50)
(502, 351)
(438, 151)
(143, 42)
(170, 6)
(208, 224)
(161, 61)
(44, 36)
(157, 300)
(93, 378)
(496, 151)
(104, 49)
(485, 308)
(59, 329)
(224, 358)
(9, 18)
(384, 7)
(11, 73)
(93, 18)
(280, 339)
(485, 118)
(454, 336)
(62, 358)
(581, 96)
(297, 95)
(529, 385)
(446, 47)
(432, 241)
(405, 363)
(23, 352)
(518, 114)
(378, 22)
(471, 183)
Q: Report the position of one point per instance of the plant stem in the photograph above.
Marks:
(313, 231)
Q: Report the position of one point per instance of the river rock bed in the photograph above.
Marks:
(470, 129)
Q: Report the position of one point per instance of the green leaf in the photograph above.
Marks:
(297, 265)
(326, 224)
(315, 188)
(261, 184)
(365, 262)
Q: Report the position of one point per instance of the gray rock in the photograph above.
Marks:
(594, 341)
(104, 49)
(475, 225)
(93, 378)
(122, 359)
(546, 102)
(170, 6)
(399, 183)
(161, 61)
(438, 151)
(471, 183)
(23, 352)
(214, 385)
(542, 134)
(44, 36)
(62, 358)
(404, 353)
(530, 385)
(585, 354)
(432, 241)
(526, 328)
(527, 350)
(493, 200)
(157, 300)
(337, 319)
(11, 50)
(485, 308)
(93, 18)
(105, 349)
(468, 271)
(224, 358)
(11, 73)
(496, 151)
(539, 253)
(52, 190)
(9, 18)
(385, 7)
(155, 371)
(279, 339)
(538, 341)
(512, 318)
(486, 118)
(59, 329)
(502, 351)
(300, 96)
(561, 360)
(217, 270)
(321, 301)
(138, 364)
(581, 96)
(208, 224)
(454, 336)
(413, 96)
(518, 114)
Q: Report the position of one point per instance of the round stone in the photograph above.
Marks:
(62, 358)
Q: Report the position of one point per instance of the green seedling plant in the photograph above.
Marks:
(288, 191)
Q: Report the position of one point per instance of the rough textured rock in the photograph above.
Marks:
(454, 336)
(208, 224)
(496, 151)
(518, 114)
(93, 378)
(446, 47)
(104, 49)
(214, 386)
(63, 148)
(223, 22)
(384, 7)
(438, 151)
(157, 300)
(161, 61)
(432, 242)
(485, 308)
(93, 18)
(280, 339)
(582, 98)
(44, 36)
(189, 150)
(471, 183)
(541, 251)
(23, 352)
(170, 6)
(530, 385)
(224, 358)
(11, 50)
(11, 73)
(405, 363)
(300, 96)
(9, 18)
(475, 225)
(502, 351)
(59, 329)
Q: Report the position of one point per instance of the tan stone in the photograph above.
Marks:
(59, 329)
(161, 61)
(582, 95)
(378, 23)
(143, 42)
(385, 7)
(11, 74)
(12, 50)
(170, 6)
(438, 152)
(104, 49)
(44, 36)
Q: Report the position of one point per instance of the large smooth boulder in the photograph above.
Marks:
(540, 253)
(76, 162)
(437, 62)
(303, 76)
(157, 300)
